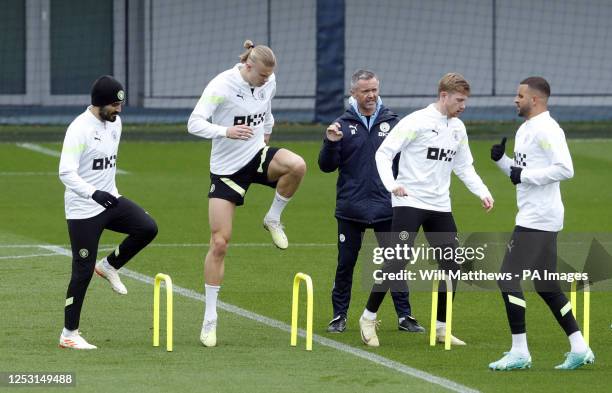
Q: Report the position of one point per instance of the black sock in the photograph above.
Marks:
(375, 300)
(441, 312)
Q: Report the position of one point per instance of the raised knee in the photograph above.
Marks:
(299, 167)
(150, 230)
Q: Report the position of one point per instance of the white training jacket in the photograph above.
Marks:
(229, 100)
(541, 150)
(431, 145)
(88, 163)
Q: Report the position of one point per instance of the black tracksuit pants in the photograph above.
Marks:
(535, 251)
(350, 236)
(126, 217)
(440, 231)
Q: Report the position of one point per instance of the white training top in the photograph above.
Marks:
(432, 145)
(88, 163)
(229, 100)
(541, 150)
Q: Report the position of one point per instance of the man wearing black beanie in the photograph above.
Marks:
(107, 96)
(92, 202)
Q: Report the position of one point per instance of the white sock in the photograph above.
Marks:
(69, 333)
(577, 342)
(107, 265)
(370, 316)
(519, 344)
(210, 311)
(440, 324)
(278, 204)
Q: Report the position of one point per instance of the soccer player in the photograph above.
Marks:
(87, 168)
(235, 112)
(541, 161)
(433, 143)
(361, 201)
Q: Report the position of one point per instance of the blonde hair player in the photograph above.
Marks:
(433, 142)
(235, 112)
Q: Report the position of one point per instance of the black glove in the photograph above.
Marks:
(497, 151)
(105, 199)
(515, 174)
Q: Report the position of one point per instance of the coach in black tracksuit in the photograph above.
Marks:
(362, 201)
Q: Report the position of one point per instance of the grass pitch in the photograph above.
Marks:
(171, 181)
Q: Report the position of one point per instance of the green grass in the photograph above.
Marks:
(171, 181)
(286, 131)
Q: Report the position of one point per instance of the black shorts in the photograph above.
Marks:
(234, 187)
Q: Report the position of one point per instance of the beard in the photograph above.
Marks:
(107, 115)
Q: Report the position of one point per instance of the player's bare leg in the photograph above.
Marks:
(220, 217)
(288, 169)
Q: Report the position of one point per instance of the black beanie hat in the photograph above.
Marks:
(106, 90)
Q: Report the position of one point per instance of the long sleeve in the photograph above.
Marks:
(329, 156)
(464, 169)
(504, 164)
(74, 146)
(395, 167)
(199, 123)
(560, 168)
(269, 119)
(400, 134)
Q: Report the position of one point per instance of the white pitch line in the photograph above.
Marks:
(53, 153)
(39, 149)
(246, 245)
(20, 245)
(360, 353)
(179, 245)
(28, 256)
(56, 249)
(28, 173)
(268, 244)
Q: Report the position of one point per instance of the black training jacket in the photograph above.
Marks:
(360, 194)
